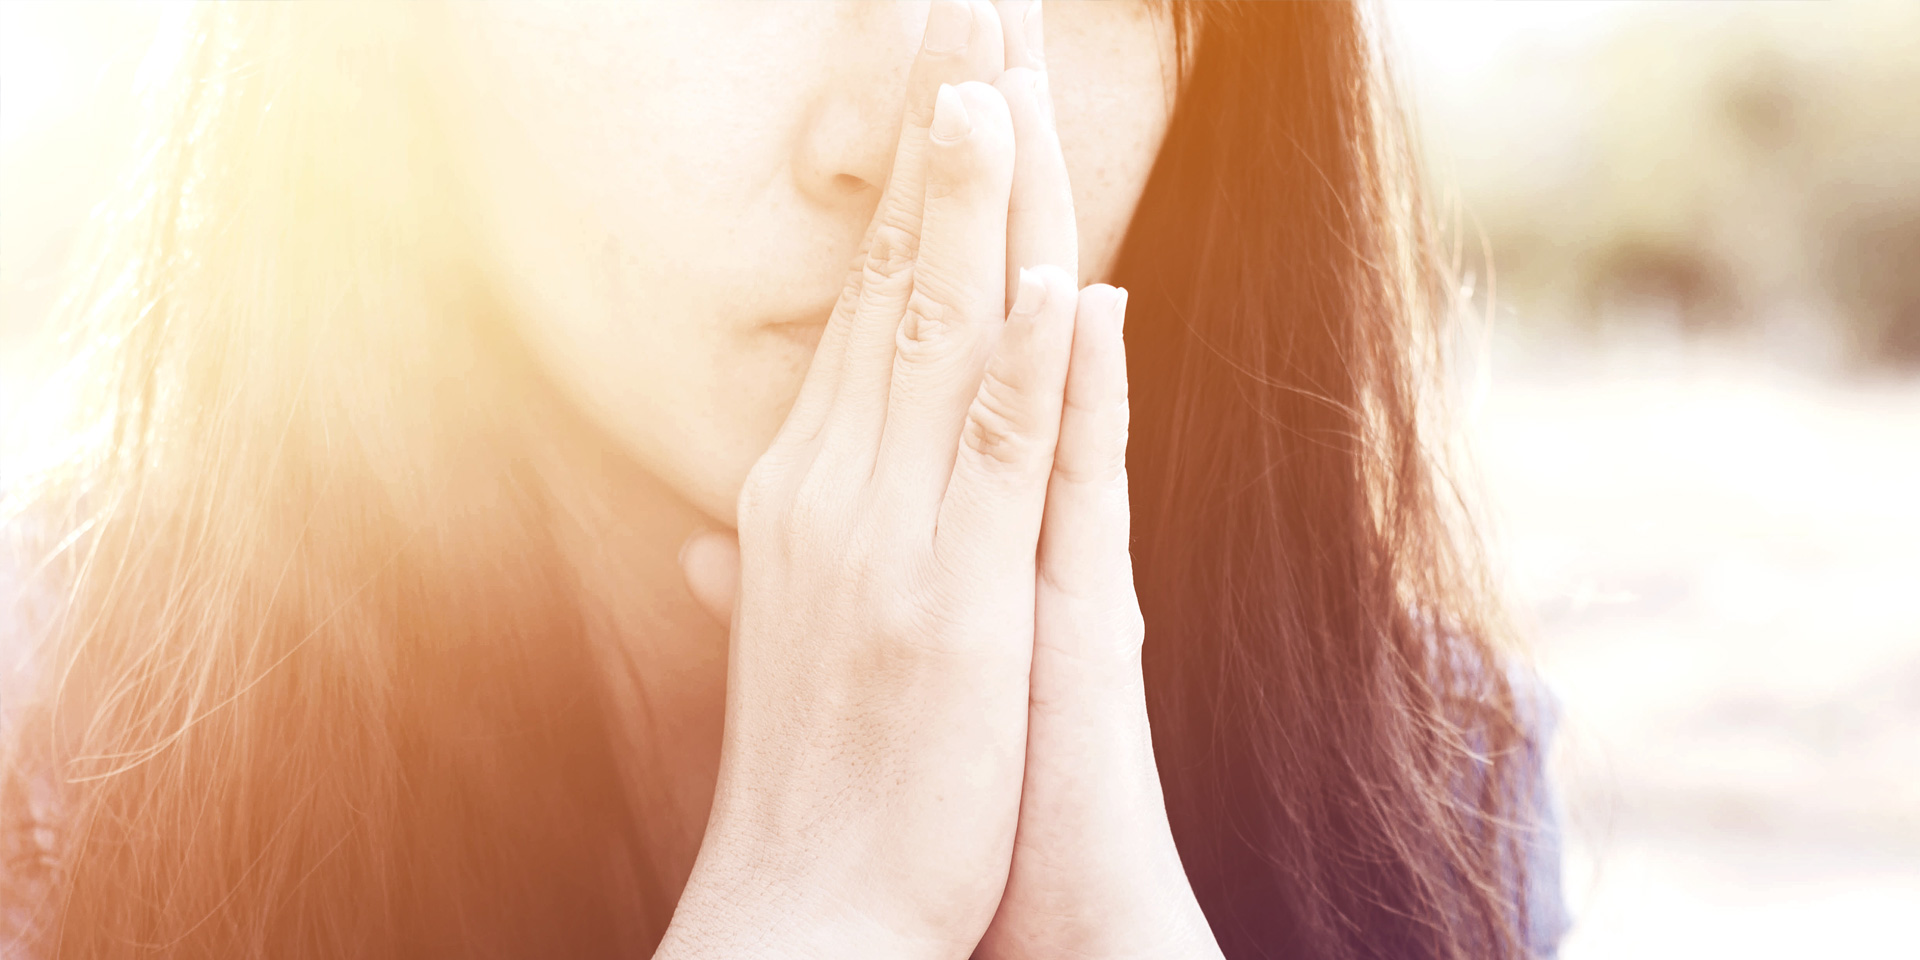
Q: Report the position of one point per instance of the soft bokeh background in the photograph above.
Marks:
(1698, 420)
(1696, 411)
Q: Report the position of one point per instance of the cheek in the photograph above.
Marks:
(1113, 75)
(629, 284)
(588, 124)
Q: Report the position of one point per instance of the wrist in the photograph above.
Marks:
(743, 901)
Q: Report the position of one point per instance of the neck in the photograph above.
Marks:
(664, 658)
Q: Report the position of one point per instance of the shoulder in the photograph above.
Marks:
(1545, 909)
(1534, 833)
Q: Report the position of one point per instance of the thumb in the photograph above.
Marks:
(710, 560)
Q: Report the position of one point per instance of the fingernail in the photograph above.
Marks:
(1120, 308)
(949, 27)
(950, 121)
(1031, 296)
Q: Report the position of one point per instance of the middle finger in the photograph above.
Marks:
(1041, 228)
(962, 43)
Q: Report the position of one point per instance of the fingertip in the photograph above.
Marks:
(972, 138)
(1056, 279)
(1029, 292)
(1102, 312)
(985, 103)
(1044, 297)
(951, 121)
(704, 548)
(710, 562)
(1016, 82)
(972, 113)
(950, 27)
(1102, 299)
(1053, 273)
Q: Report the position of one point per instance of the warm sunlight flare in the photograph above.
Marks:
(971, 478)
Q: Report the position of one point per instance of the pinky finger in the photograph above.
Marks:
(710, 561)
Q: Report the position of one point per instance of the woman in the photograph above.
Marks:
(384, 599)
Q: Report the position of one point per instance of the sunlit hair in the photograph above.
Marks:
(311, 677)
(1336, 732)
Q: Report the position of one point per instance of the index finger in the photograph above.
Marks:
(962, 42)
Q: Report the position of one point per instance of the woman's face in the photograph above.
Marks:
(672, 192)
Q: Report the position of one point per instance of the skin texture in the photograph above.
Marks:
(674, 191)
(935, 730)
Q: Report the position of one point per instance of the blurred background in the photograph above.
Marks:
(1697, 420)
(1692, 234)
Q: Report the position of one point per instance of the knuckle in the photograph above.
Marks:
(815, 514)
(760, 495)
(866, 558)
(804, 524)
(929, 318)
(1106, 466)
(891, 255)
(1109, 469)
(856, 272)
(920, 110)
(894, 614)
(1099, 410)
(996, 428)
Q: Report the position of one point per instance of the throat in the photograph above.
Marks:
(663, 659)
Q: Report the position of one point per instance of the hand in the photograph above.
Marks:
(1095, 870)
(876, 712)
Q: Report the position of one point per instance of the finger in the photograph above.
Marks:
(962, 43)
(957, 308)
(1023, 26)
(810, 404)
(991, 509)
(710, 560)
(1084, 560)
(1040, 220)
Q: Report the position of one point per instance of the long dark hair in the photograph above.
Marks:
(1334, 730)
(318, 682)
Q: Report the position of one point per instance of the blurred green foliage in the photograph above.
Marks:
(1719, 167)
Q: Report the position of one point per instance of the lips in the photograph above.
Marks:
(802, 328)
(802, 334)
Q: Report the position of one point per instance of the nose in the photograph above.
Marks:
(843, 152)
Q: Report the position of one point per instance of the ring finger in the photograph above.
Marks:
(962, 42)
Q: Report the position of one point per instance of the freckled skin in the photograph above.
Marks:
(657, 182)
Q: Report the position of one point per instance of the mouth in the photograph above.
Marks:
(803, 336)
(802, 330)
